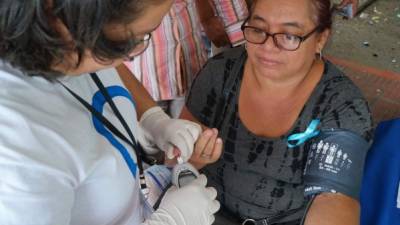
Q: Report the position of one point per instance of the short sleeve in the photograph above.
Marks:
(336, 157)
(347, 109)
(206, 90)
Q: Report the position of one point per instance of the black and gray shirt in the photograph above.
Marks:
(258, 177)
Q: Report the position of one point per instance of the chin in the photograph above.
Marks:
(270, 68)
(268, 72)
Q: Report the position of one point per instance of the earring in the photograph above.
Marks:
(320, 54)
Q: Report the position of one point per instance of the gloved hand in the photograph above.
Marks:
(146, 141)
(193, 204)
(167, 132)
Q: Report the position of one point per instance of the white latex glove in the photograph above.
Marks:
(193, 204)
(167, 132)
(146, 141)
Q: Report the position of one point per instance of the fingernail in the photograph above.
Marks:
(219, 141)
(215, 130)
(208, 133)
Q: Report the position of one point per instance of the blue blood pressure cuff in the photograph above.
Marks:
(335, 163)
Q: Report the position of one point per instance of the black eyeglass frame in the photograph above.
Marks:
(267, 35)
(137, 42)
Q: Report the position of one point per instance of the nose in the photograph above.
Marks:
(269, 44)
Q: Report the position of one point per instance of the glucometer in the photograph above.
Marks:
(183, 174)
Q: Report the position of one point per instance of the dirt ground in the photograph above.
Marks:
(372, 38)
(367, 48)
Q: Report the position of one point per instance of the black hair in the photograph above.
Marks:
(322, 13)
(30, 42)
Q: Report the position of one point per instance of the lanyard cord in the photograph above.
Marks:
(133, 143)
(114, 108)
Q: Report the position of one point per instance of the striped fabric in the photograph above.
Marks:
(233, 13)
(177, 52)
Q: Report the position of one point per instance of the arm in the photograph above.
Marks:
(187, 115)
(333, 174)
(233, 14)
(333, 209)
(335, 158)
(213, 25)
(138, 92)
(168, 134)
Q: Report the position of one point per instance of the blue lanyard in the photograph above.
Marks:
(298, 139)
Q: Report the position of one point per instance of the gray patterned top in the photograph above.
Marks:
(259, 177)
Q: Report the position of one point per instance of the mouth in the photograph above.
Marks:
(268, 62)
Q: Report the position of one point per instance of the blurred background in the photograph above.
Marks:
(367, 48)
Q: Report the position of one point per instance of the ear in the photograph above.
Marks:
(322, 40)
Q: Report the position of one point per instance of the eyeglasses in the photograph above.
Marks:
(140, 45)
(284, 41)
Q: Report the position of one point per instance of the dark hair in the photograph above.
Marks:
(322, 13)
(29, 42)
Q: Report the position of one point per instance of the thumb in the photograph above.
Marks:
(170, 151)
(200, 181)
(194, 129)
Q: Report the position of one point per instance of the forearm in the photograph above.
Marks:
(333, 209)
(187, 115)
(213, 25)
(138, 92)
(204, 10)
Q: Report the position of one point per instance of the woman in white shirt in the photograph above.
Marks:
(61, 161)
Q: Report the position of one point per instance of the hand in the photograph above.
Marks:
(146, 141)
(353, 2)
(193, 204)
(169, 133)
(208, 149)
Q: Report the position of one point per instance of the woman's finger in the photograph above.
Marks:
(217, 151)
(201, 143)
(209, 148)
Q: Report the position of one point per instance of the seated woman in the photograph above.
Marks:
(295, 128)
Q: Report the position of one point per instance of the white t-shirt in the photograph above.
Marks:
(57, 166)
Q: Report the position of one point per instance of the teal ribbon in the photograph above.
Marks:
(297, 139)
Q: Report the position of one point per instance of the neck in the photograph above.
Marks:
(287, 86)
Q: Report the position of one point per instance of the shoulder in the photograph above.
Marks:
(223, 66)
(229, 55)
(342, 104)
(335, 81)
(31, 122)
(335, 90)
(218, 71)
